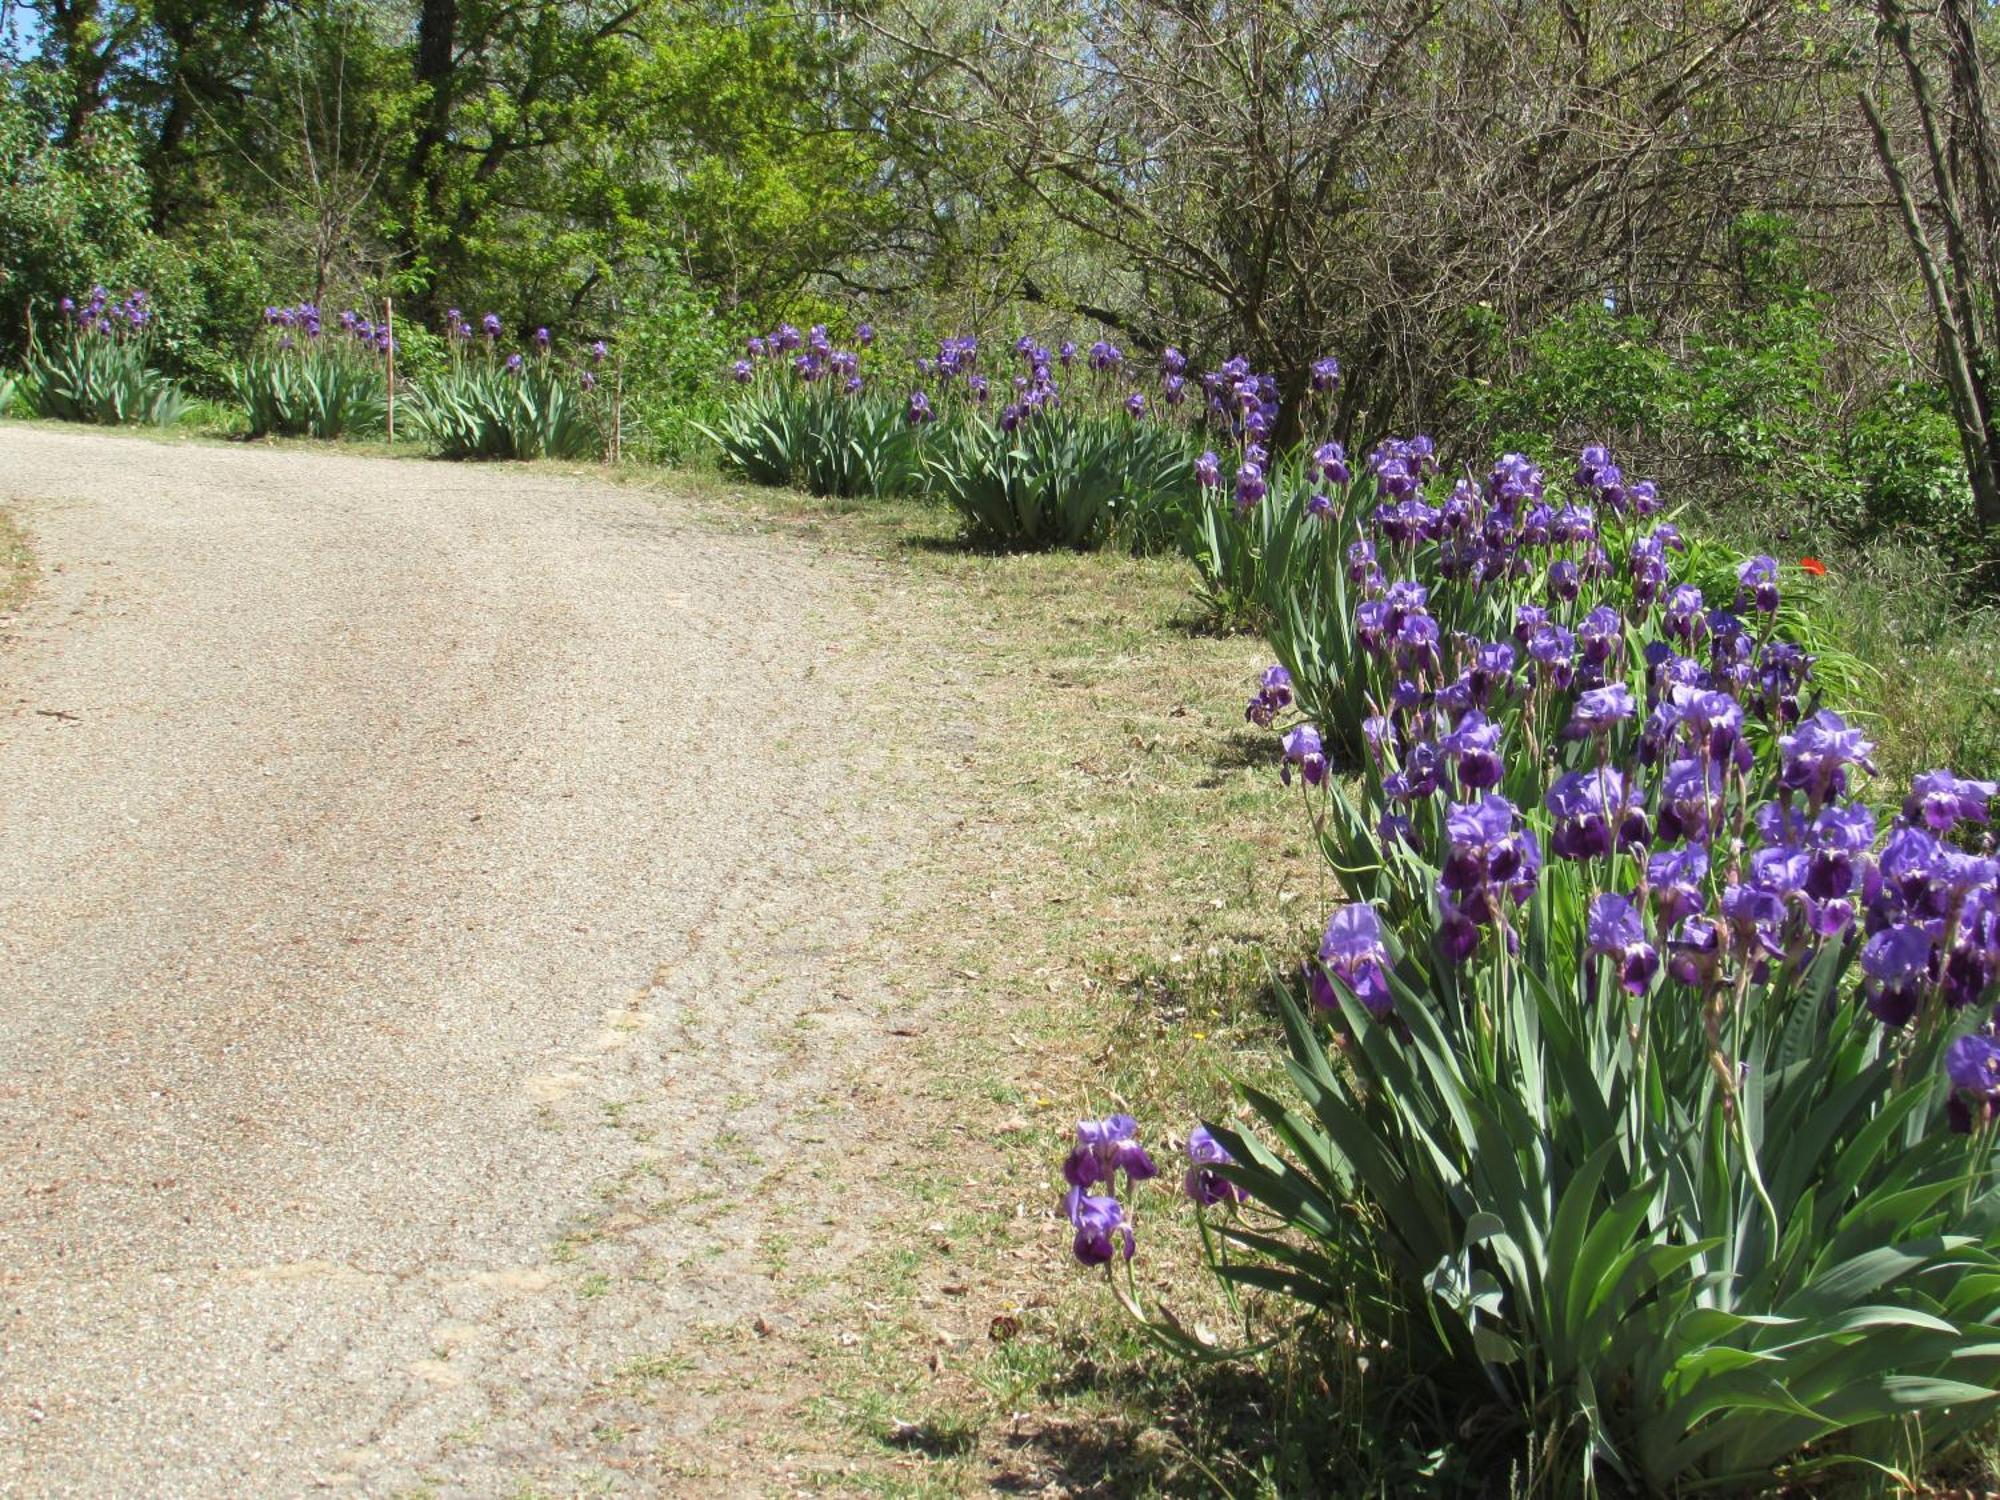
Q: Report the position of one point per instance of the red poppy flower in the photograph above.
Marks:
(1813, 566)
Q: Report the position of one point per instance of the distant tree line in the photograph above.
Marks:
(1797, 209)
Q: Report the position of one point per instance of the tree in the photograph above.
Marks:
(1955, 237)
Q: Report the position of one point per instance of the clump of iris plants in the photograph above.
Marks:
(303, 379)
(1664, 1129)
(1033, 446)
(805, 414)
(98, 368)
(492, 402)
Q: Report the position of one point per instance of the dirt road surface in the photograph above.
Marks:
(408, 874)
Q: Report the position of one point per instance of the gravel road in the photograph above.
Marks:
(412, 876)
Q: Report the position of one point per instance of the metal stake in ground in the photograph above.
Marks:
(389, 322)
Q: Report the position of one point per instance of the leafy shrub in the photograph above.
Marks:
(302, 382)
(668, 353)
(100, 369)
(1058, 479)
(521, 407)
(8, 385)
(69, 215)
(1904, 450)
(1661, 1146)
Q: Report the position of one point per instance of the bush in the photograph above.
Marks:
(100, 369)
(69, 215)
(668, 353)
(1904, 449)
(522, 407)
(1659, 1149)
(8, 385)
(301, 382)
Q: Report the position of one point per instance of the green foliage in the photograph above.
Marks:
(822, 440)
(668, 350)
(97, 378)
(74, 216)
(69, 215)
(1741, 412)
(316, 391)
(1061, 479)
(479, 409)
(1904, 451)
(1547, 1198)
(8, 385)
(1932, 694)
(1259, 566)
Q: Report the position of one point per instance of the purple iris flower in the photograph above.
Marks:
(598, 352)
(1553, 651)
(1416, 644)
(865, 335)
(1838, 836)
(1615, 930)
(1595, 813)
(542, 339)
(514, 364)
(919, 410)
(1067, 354)
(1325, 374)
(1649, 570)
(1100, 1223)
(1814, 758)
(1172, 363)
(1895, 966)
(490, 325)
(1135, 405)
(1206, 1186)
(1694, 951)
(1939, 799)
(1972, 1063)
(1378, 731)
(1676, 877)
(1492, 853)
(1329, 462)
(1474, 747)
(1686, 613)
(1353, 952)
(1491, 671)
(1712, 721)
(1757, 581)
(1208, 470)
(587, 380)
(1690, 798)
(1250, 485)
(1599, 710)
(1105, 1148)
(1319, 505)
(1371, 625)
(1600, 633)
(1274, 693)
(742, 371)
(1304, 750)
